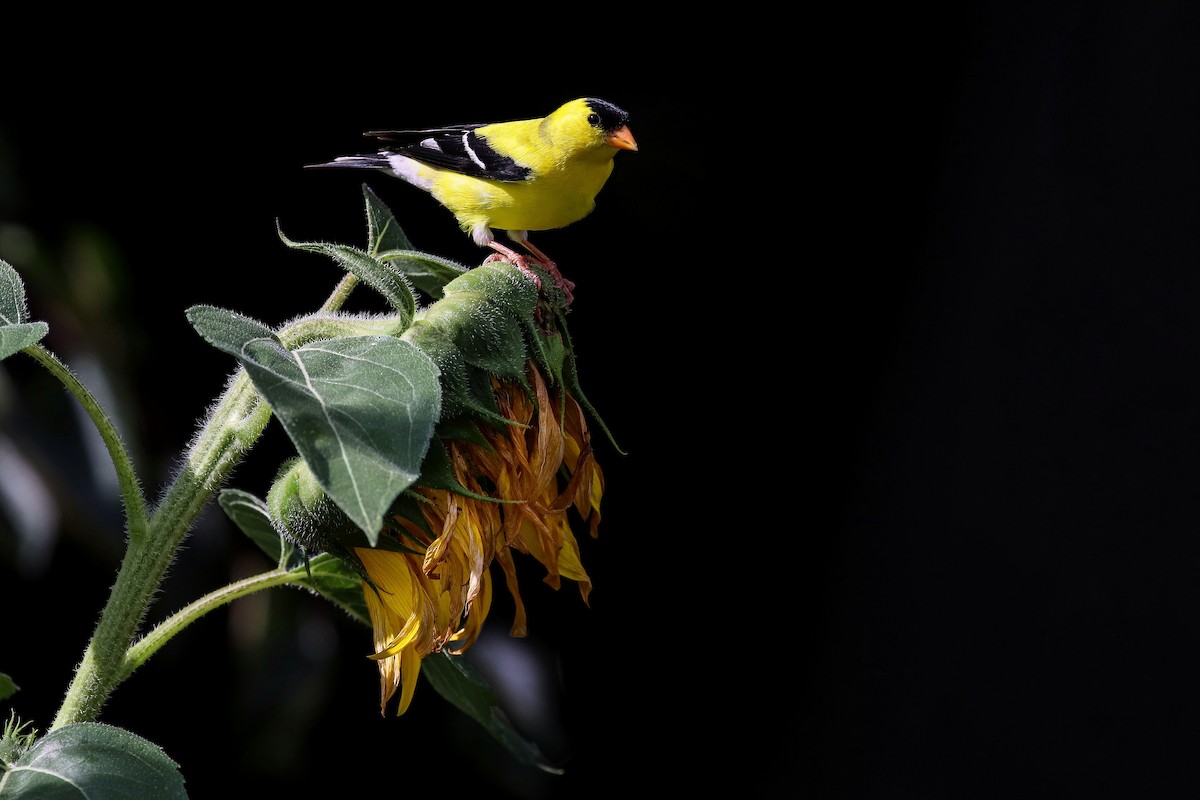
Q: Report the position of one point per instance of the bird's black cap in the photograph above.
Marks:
(609, 117)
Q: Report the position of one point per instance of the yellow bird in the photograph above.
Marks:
(518, 176)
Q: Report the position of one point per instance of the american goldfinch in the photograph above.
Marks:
(519, 176)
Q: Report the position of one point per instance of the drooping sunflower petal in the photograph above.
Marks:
(407, 635)
(519, 627)
(436, 594)
(469, 632)
(389, 669)
(410, 669)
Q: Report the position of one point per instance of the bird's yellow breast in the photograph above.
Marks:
(554, 199)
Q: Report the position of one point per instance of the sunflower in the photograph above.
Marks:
(429, 590)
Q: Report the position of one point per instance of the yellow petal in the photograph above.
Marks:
(409, 670)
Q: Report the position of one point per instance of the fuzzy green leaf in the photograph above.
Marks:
(93, 761)
(383, 231)
(457, 681)
(16, 331)
(15, 338)
(7, 687)
(381, 277)
(388, 243)
(12, 296)
(427, 272)
(360, 410)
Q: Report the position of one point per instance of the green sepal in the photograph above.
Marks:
(437, 473)
(570, 378)
(465, 429)
(486, 312)
(480, 329)
(466, 390)
(487, 324)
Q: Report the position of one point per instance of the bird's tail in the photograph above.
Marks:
(374, 161)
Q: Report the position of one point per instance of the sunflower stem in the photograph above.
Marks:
(340, 293)
(235, 422)
(131, 494)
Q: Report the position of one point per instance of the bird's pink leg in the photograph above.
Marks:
(517, 260)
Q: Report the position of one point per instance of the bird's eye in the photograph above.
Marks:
(594, 120)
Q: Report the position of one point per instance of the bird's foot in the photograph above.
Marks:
(519, 261)
(565, 285)
(559, 279)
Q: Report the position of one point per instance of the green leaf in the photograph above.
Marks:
(381, 277)
(383, 231)
(427, 272)
(15, 338)
(93, 761)
(12, 296)
(388, 243)
(7, 687)
(360, 410)
(250, 514)
(457, 681)
(16, 331)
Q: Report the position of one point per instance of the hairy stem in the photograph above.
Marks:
(340, 293)
(162, 633)
(131, 494)
(233, 426)
(235, 422)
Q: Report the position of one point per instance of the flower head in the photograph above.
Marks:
(429, 589)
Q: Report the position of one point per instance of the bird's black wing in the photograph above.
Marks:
(458, 148)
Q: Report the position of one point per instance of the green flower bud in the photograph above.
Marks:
(304, 515)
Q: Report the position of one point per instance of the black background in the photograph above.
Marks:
(894, 315)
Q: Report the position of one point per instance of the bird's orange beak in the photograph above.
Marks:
(622, 138)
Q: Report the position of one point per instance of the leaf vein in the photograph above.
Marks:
(336, 433)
